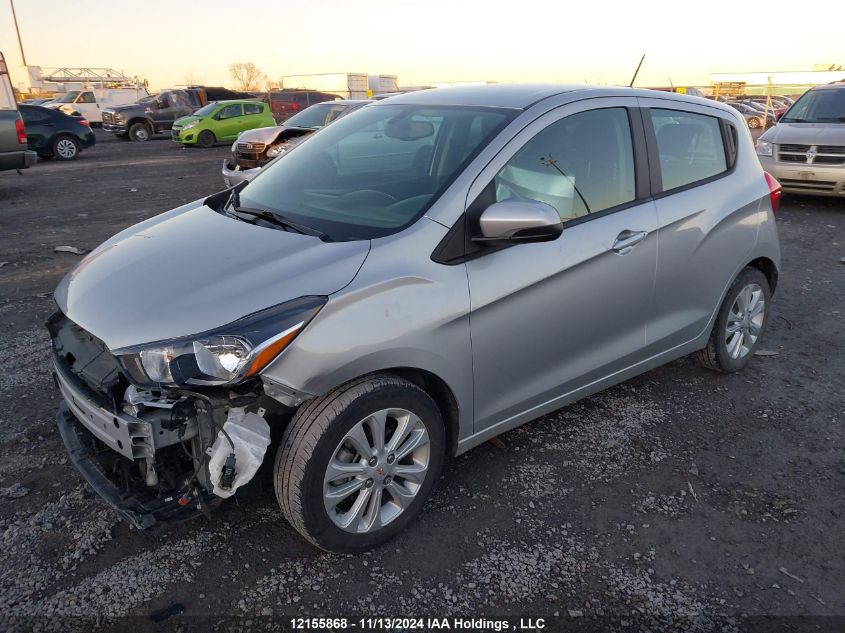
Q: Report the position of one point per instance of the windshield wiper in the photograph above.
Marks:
(272, 218)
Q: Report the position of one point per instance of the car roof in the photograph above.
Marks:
(342, 102)
(523, 96)
(518, 96)
(834, 85)
(231, 101)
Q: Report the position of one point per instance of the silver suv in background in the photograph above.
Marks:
(805, 151)
(255, 148)
(416, 279)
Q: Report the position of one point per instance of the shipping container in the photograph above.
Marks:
(381, 84)
(345, 85)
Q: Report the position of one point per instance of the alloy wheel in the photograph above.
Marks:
(745, 321)
(376, 470)
(66, 148)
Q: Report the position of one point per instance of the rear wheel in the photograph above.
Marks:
(65, 148)
(753, 123)
(355, 466)
(740, 323)
(140, 132)
(206, 139)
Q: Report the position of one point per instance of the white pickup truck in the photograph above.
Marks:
(91, 102)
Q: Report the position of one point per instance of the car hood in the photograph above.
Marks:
(126, 106)
(183, 121)
(806, 134)
(191, 270)
(261, 134)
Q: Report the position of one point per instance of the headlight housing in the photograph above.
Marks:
(191, 124)
(764, 148)
(223, 356)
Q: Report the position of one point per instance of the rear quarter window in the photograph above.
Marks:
(690, 147)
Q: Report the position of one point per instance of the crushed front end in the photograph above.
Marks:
(254, 149)
(154, 453)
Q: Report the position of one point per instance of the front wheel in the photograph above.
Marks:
(740, 323)
(355, 466)
(206, 139)
(753, 123)
(140, 132)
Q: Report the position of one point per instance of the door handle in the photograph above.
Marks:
(627, 240)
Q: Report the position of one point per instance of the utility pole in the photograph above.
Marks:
(17, 30)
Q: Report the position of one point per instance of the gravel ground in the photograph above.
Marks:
(681, 500)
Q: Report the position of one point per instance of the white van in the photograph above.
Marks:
(90, 103)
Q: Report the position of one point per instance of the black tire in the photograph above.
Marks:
(65, 147)
(140, 132)
(310, 441)
(715, 355)
(206, 139)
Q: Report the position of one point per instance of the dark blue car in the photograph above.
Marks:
(54, 134)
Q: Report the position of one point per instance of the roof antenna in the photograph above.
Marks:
(636, 72)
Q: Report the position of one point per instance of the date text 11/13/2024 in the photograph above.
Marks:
(421, 624)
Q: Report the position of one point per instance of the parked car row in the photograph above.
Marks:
(256, 148)
(156, 114)
(755, 116)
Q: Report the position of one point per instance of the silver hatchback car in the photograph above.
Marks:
(421, 276)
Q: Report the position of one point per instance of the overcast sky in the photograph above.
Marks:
(171, 42)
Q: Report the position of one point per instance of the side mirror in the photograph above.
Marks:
(519, 221)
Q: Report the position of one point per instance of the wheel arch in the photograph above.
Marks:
(768, 268)
(140, 119)
(442, 395)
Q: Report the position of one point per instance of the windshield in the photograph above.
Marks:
(818, 106)
(68, 97)
(375, 171)
(206, 109)
(317, 116)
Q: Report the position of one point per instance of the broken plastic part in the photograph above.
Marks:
(250, 435)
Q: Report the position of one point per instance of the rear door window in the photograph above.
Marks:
(253, 108)
(689, 146)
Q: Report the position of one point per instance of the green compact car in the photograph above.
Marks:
(221, 121)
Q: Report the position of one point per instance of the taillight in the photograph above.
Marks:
(84, 122)
(21, 131)
(775, 191)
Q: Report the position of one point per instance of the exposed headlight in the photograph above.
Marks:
(226, 355)
(764, 148)
(191, 124)
(276, 150)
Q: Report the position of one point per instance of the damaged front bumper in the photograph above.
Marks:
(153, 455)
(234, 174)
(139, 512)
